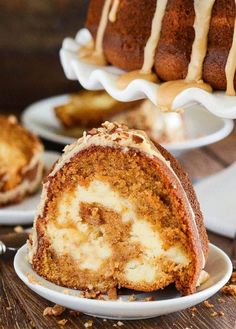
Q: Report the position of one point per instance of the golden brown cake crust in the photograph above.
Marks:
(125, 39)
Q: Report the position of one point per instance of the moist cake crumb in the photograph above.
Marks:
(56, 310)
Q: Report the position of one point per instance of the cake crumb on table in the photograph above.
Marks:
(88, 324)
(62, 322)
(75, 314)
(207, 304)
(56, 310)
(18, 229)
(213, 314)
(221, 313)
(229, 290)
(120, 323)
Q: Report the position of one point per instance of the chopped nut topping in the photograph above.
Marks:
(112, 294)
(92, 294)
(92, 132)
(117, 139)
(137, 139)
(229, 290)
(207, 304)
(56, 310)
(233, 278)
(221, 313)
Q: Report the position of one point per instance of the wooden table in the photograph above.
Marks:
(21, 308)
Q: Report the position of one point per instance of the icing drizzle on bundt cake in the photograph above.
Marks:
(203, 14)
(115, 212)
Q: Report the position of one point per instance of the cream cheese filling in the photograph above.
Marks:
(84, 243)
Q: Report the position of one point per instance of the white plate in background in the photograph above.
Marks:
(202, 128)
(167, 301)
(93, 77)
(22, 213)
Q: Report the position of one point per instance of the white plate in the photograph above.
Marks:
(168, 300)
(23, 212)
(202, 128)
(95, 77)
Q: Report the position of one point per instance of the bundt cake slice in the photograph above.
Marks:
(21, 164)
(117, 211)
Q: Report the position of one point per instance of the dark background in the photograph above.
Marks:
(31, 33)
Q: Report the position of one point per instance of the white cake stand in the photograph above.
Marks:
(94, 77)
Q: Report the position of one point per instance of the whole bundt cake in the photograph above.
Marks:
(179, 39)
(118, 211)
